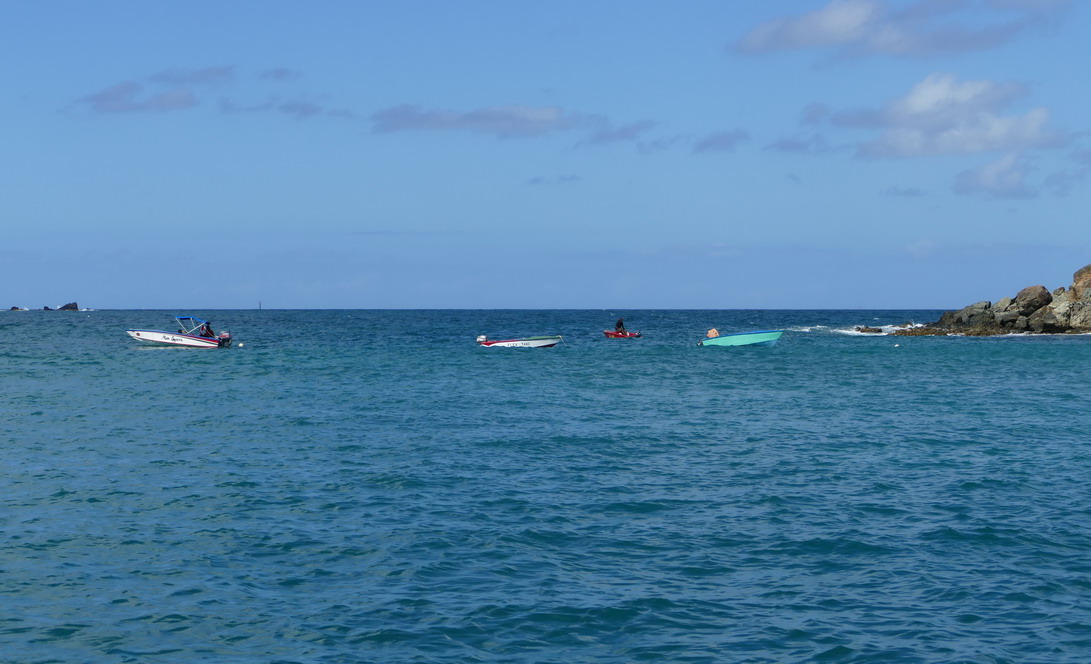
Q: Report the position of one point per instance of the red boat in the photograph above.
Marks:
(612, 334)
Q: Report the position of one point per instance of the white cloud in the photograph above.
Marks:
(1004, 178)
(840, 22)
(942, 115)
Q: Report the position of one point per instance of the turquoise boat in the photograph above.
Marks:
(759, 338)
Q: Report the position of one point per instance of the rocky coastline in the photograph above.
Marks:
(71, 306)
(1033, 310)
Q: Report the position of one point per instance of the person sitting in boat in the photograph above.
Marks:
(206, 331)
(619, 326)
(712, 334)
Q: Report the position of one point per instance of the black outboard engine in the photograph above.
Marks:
(224, 340)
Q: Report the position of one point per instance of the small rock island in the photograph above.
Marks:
(1033, 310)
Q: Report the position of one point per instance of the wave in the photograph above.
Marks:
(884, 329)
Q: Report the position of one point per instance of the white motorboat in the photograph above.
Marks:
(526, 342)
(192, 332)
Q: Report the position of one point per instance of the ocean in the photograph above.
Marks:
(372, 486)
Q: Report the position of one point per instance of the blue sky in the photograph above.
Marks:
(845, 154)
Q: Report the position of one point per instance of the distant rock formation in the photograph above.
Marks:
(1033, 310)
(71, 306)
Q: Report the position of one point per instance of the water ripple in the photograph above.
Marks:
(376, 498)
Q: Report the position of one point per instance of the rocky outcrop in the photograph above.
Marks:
(71, 306)
(1081, 282)
(1034, 309)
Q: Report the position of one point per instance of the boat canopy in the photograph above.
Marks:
(190, 325)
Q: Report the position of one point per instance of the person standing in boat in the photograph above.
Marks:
(619, 326)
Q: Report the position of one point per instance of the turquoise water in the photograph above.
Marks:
(371, 486)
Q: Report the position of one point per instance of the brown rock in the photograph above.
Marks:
(1031, 299)
(1081, 283)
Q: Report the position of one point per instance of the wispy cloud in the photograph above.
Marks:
(298, 108)
(168, 90)
(856, 28)
(902, 192)
(627, 133)
(132, 97)
(921, 248)
(721, 141)
(514, 121)
(194, 76)
(1064, 181)
(558, 180)
(942, 115)
(1082, 157)
(1004, 178)
(182, 88)
(808, 144)
(279, 74)
(814, 114)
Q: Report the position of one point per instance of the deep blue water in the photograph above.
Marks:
(371, 486)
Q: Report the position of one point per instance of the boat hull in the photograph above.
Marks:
(528, 342)
(612, 334)
(760, 338)
(159, 337)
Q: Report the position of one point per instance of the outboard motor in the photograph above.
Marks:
(224, 340)
(481, 338)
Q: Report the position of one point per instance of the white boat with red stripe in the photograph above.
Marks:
(192, 332)
(525, 342)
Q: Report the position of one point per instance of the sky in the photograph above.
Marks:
(845, 154)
